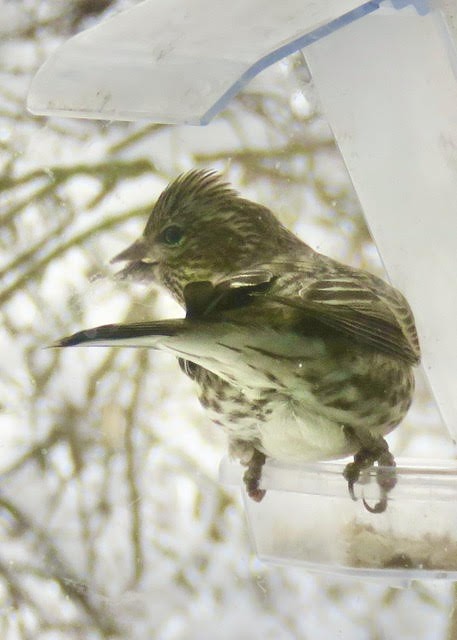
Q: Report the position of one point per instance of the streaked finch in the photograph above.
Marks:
(296, 356)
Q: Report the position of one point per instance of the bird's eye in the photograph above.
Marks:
(172, 235)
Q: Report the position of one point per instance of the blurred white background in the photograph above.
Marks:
(112, 521)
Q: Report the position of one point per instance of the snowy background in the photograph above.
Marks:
(112, 520)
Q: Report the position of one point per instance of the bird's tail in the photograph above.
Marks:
(140, 334)
(232, 351)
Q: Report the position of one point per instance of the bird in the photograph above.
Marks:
(296, 356)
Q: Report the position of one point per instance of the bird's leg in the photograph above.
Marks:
(241, 450)
(253, 474)
(363, 459)
(254, 460)
(375, 450)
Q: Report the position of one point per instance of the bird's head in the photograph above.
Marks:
(201, 229)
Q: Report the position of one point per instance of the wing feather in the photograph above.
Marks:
(364, 306)
(354, 302)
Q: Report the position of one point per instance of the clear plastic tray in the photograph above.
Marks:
(307, 518)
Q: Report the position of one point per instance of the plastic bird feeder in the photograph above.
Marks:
(386, 76)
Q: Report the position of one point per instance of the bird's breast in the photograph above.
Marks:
(297, 396)
(295, 433)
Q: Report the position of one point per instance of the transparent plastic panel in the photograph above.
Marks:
(307, 518)
(178, 62)
(388, 88)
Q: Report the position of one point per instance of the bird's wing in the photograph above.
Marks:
(360, 305)
(353, 302)
(203, 298)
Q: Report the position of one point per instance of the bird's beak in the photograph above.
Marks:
(136, 252)
(141, 266)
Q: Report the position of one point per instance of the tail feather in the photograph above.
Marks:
(140, 334)
(232, 351)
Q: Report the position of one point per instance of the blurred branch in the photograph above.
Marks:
(452, 627)
(131, 477)
(94, 493)
(36, 268)
(109, 173)
(135, 137)
(56, 570)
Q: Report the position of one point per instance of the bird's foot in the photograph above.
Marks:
(377, 451)
(252, 476)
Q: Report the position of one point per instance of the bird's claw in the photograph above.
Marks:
(379, 507)
(385, 473)
(351, 474)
